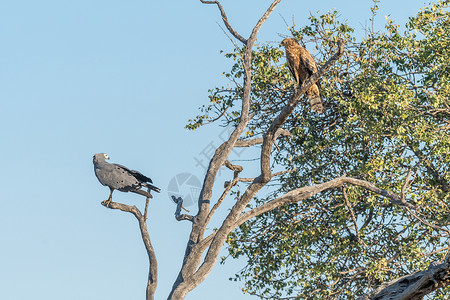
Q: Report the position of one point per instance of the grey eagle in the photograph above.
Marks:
(118, 177)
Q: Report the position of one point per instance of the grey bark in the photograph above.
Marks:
(414, 286)
(152, 280)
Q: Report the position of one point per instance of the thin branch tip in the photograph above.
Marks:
(225, 21)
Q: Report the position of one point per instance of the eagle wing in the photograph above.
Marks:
(136, 174)
(141, 178)
(291, 68)
(314, 95)
(308, 61)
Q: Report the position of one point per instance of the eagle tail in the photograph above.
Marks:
(316, 103)
(152, 187)
(143, 193)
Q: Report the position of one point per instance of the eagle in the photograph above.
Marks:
(118, 177)
(302, 66)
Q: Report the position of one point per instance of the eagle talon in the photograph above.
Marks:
(106, 203)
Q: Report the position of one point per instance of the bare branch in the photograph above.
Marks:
(283, 172)
(307, 192)
(272, 175)
(123, 207)
(153, 264)
(245, 179)
(225, 21)
(248, 143)
(146, 208)
(256, 141)
(395, 199)
(290, 197)
(235, 168)
(178, 215)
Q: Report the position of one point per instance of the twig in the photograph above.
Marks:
(225, 21)
(178, 215)
(283, 172)
(222, 197)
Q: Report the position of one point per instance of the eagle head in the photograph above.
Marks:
(288, 42)
(100, 157)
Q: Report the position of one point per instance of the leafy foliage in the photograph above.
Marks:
(387, 113)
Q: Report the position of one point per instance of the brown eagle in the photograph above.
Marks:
(302, 65)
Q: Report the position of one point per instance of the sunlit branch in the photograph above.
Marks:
(153, 264)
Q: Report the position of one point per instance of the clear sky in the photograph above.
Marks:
(121, 77)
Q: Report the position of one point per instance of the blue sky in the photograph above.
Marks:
(121, 77)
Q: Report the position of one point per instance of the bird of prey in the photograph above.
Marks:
(118, 177)
(302, 66)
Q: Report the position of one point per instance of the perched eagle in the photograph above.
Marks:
(118, 177)
(302, 65)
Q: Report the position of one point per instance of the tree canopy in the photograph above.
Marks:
(386, 121)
